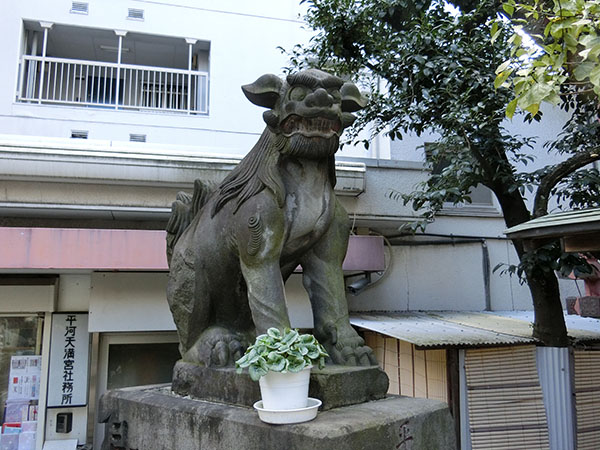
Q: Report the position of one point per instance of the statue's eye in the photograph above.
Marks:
(335, 93)
(297, 93)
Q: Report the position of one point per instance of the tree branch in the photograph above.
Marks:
(487, 169)
(554, 177)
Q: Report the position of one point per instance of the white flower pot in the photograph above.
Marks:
(282, 391)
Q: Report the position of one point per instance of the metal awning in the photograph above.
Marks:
(579, 230)
(559, 224)
(430, 329)
(108, 249)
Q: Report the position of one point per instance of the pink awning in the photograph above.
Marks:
(96, 249)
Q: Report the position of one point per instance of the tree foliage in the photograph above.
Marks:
(559, 59)
(432, 68)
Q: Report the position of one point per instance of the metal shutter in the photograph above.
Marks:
(506, 406)
(587, 398)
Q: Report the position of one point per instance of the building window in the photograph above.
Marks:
(130, 71)
(135, 14)
(134, 137)
(481, 197)
(79, 134)
(79, 8)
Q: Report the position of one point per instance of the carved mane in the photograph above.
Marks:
(258, 170)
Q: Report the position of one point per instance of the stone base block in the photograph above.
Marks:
(335, 386)
(153, 418)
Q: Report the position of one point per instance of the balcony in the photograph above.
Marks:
(120, 86)
(60, 76)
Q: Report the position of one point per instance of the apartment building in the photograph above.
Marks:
(108, 109)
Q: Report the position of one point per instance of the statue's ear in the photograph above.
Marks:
(352, 99)
(264, 91)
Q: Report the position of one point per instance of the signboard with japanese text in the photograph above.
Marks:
(69, 352)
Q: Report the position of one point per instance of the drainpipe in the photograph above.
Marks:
(485, 261)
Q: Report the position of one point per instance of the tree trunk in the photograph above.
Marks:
(549, 323)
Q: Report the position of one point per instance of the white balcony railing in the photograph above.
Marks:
(111, 85)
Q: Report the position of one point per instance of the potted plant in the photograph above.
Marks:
(281, 362)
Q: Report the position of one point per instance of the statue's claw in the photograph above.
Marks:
(345, 346)
(216, 347)
(236, 349)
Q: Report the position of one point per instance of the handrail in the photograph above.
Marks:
(107, 64)
(94, 84)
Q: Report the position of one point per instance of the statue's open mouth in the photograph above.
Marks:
(311, 126)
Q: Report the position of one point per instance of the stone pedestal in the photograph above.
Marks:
(153, 418)
(335, 386)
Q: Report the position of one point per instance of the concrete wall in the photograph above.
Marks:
(449, 277)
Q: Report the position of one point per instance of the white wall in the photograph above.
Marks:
(244, 37)
(447, 277)
(74, 293)
(128, 302)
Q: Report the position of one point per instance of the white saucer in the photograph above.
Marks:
(281, 416)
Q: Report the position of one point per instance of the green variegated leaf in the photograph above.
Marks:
(290, 337)
(274, 333)
(296, 353)
(280, 352)
(307, 339)
(321, 362)
(242, 362)
(276, 362)
(312, 351)
(296, 364)
(257, 371)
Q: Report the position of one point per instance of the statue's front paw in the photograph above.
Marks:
(346, 347)
(225, 352)
(216, 347)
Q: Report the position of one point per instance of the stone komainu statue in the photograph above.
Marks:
(232, 247)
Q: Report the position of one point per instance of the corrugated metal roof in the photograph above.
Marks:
(557, 224)
(466, 328)
(581, 329)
